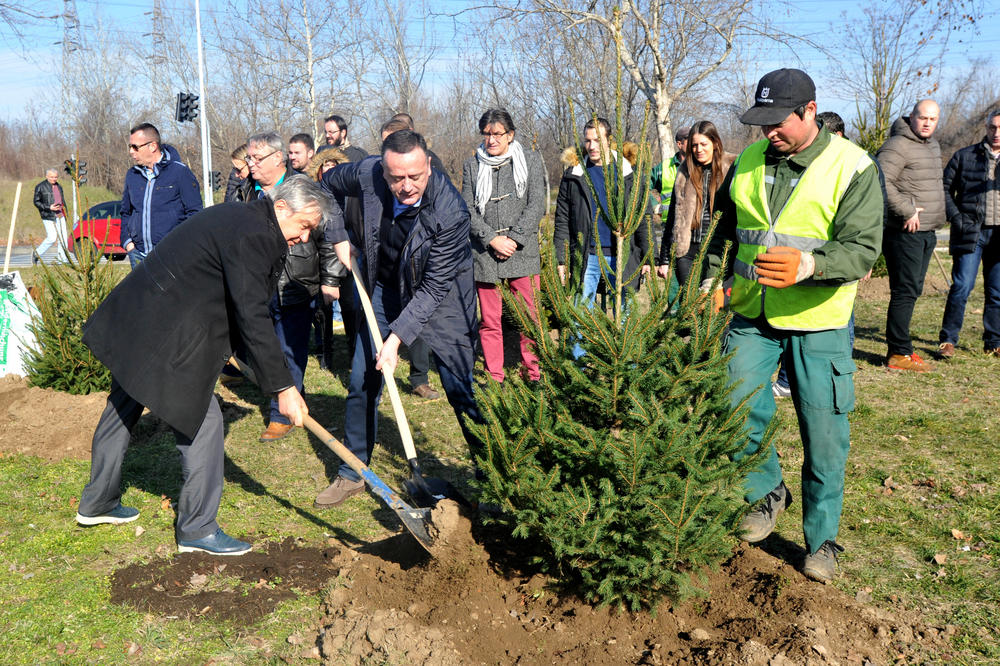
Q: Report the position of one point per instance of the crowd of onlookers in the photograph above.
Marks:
(807, 213)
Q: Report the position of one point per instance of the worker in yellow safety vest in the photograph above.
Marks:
(804, 214)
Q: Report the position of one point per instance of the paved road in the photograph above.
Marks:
(20, 256)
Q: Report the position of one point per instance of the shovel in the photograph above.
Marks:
(415, 521)
(424, 491)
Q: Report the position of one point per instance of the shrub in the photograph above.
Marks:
(618, 469)
(67, 296)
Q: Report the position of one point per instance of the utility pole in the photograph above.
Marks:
(158, 49)
(70, 43)
(206, 146)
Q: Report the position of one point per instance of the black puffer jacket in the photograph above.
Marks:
(307, 265)
(966, 179)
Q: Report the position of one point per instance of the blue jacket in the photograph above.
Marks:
(154, 203)
(436, 284)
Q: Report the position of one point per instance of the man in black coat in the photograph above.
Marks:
(972, 201)
(165, 331)
(416, 263)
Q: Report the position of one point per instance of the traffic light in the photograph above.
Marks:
(69, 166)
(216, 180)
(81, 172)
(187, 107)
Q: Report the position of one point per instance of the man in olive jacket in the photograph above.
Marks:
(911, 163)
(171, 324)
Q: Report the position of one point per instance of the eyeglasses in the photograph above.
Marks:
(495, 135)
(136, 148)
(250, 159)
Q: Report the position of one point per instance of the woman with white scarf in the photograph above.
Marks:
(504, 187)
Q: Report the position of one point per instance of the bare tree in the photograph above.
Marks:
(682, 43)
(900, 45)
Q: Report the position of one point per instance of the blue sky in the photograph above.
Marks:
(28, 68)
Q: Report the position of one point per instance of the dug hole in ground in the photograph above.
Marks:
(478, 601)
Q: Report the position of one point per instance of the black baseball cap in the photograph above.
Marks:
(778, 94)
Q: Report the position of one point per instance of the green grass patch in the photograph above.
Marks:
(921, 520)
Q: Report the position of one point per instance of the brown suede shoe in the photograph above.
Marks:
(426, 392)
(946, 350)
(338, 492)
(908, 362)
(276, 431)
(992, 352)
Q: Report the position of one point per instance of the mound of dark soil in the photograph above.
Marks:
(243, 589)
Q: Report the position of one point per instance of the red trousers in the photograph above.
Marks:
(491, 331)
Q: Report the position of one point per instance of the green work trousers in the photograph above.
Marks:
(821, 376)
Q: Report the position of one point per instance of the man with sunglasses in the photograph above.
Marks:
(160, 193)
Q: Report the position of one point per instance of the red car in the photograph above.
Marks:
(99, 230)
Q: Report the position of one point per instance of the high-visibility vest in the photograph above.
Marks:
(806, 223)
(667, 178)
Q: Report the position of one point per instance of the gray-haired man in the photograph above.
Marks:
(165, 330)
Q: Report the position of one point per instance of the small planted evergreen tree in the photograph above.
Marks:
(69, 293)
(619, 468)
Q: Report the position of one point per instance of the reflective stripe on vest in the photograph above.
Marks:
(805, 223)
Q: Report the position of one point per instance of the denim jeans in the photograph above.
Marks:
(365, 389)
(907, 256)
(292, 324)
(963, 278)
(591, 280)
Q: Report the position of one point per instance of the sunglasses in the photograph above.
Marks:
(134, 147)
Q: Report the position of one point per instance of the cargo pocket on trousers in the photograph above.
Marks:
(843, 384)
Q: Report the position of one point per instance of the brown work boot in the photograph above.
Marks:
(276, 431)
(992, 352)
(908, 362)
(946, 350)
(338, 492)
(426, 392)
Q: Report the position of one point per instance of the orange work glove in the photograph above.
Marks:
(783, 266)
(718, 300)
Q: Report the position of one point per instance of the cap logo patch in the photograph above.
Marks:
(764, 92)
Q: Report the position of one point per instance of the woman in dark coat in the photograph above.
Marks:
(504, 187)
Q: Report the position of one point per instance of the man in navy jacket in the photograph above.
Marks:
(416, 263)
(160, 193)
